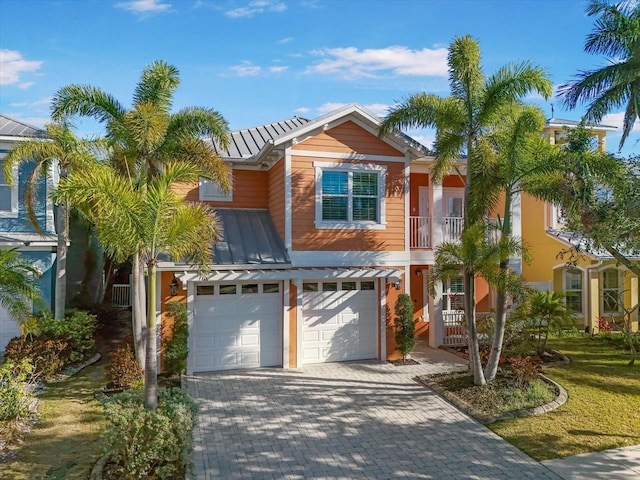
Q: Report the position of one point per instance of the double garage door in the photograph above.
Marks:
(239, 325)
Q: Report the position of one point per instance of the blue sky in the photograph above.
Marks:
(259, 61)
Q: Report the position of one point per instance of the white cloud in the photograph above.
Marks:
(255, 7)
(37, 104)
(144, 7)
(329, 107)
(246, 69)
(278, 69)
(302, 110)
(616, 120)
(12, 65)
(350, 62)
(285, 40)
(379, 109)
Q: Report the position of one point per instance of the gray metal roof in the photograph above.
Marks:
(248, 142)
(579, 241)
(573, 123)
(14, 128)
(248, 237)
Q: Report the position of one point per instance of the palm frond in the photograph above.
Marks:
(86, 101)
(157, 84)
(193, 122)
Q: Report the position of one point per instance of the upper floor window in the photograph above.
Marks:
(8, 194)
(210, 191)
(573, 289)
(611, 291)
(350, 195)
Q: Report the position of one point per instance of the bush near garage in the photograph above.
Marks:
(15, 399)
(53, 344)
(123, 370)
(142, 444)
(176, 350)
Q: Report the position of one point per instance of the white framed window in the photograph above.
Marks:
(350, 195)
(611, 299)
(453, 295)
(209, 191)
(573, 289)
(8, 194)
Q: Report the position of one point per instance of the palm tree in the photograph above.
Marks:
(69, 152)
(18, 284)
(462, 122)
(144, 138)
(522, 157)
(147, 223)
(617, 36)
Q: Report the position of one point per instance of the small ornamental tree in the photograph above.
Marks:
(404, 326)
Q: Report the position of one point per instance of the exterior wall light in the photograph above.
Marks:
(173, 287)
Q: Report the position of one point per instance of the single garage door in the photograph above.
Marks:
(9, 328)
(237, 325)
(339, 321)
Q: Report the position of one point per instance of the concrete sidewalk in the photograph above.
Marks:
(617, 464)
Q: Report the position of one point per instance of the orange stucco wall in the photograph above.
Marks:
(275, 178)
(453, 181)
(416, 180)
(165, 319)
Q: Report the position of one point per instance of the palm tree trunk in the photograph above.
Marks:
(472, 330)
(138, 310)
(62, 229)
(151, 363)
(501, 299)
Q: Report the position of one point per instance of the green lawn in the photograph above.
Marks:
(603, 410)
(64, 443)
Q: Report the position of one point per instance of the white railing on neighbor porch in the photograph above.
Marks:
(420, 231)
(121, 294)
(452, 229)
(455, 330)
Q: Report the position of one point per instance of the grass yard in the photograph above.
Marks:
(603, 410)
(64, 443)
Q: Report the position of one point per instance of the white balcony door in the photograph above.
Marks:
(423, 201)
(453, 209)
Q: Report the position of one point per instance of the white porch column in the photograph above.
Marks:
(436, 325)
(515, 263)
(437, 213)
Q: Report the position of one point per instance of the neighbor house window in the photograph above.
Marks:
(453, 295)
(210, 191)
(573, 290)
(611, 291)
(8, 194)
(350, 195)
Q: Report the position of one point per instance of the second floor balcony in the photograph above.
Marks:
(422, 232)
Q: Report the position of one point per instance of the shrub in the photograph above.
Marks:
(525, 369)
(124, 370)
(176, 351)
(405, 328)
(142, 444)
(15, 399)
(47, 353)
(604, 325)
(77, 330)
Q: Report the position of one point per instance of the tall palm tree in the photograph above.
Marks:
(616, 35)
(462, 122)
(147, 223)
(144, 138)
(18, 284)
(522, 157)
(69, 152)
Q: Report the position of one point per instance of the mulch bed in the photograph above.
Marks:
(401, 363)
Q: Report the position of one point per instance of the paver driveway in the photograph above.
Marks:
(344, 421)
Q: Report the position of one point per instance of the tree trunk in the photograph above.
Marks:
(472, 331)
(138, 310)
(62, 228)
(501, 299)
(151, 363)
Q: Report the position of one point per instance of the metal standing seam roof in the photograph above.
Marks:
(248, 142)
(559, 122)
(15, 128)
(248, 237)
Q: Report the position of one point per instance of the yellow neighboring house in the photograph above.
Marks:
(596, 287)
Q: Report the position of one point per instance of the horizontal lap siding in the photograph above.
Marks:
(250, 190)
(346, 138)
(276, 196)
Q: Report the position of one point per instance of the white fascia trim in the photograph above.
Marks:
(347, 156)
(383, 322)
(285, 323)
(407, 213)
(299, 323)
(350, 258)
(287, 201)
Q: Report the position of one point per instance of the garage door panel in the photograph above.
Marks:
(237, 331)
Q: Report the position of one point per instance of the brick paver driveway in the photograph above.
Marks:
(343, 421)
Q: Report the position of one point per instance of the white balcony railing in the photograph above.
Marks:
(420, 231)
(452, 229)
(121, 295)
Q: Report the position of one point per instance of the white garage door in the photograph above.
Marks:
(339, 321)
(236, 325)
(9, 328)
